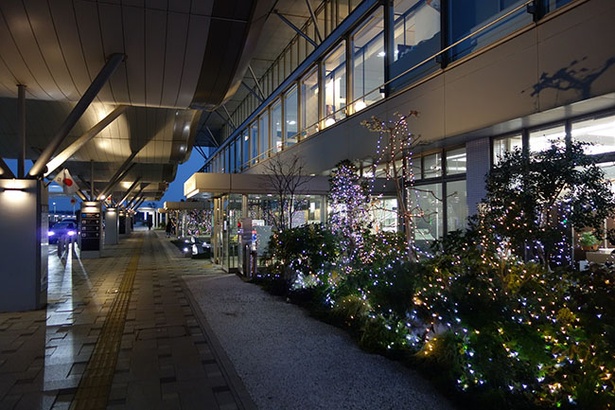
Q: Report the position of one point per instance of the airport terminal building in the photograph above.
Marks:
(484, 76)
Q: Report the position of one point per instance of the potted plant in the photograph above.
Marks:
(588, 241)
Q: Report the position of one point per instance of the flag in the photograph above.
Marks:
(66, 181)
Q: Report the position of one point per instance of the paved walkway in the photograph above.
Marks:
(118, 333)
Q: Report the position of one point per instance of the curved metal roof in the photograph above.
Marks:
(179, 57)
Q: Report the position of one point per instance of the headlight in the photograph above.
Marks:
(70, 233)
(50, 233)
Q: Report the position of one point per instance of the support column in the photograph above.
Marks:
(21, 163)
(24, 244)
(112, 226)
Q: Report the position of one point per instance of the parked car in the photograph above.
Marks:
(65, 227)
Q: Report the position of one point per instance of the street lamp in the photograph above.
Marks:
(54, 209)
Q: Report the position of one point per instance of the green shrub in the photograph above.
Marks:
(503, 333)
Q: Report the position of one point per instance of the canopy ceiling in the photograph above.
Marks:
(165, 66)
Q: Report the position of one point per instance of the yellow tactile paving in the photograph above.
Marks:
(95, 384)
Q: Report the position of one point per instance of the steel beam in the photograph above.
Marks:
(133, 186)
(105, 73)
(297, 29)
(258, 85)
(62, 157)
(115, 178)
(316, 29)
(258, 97)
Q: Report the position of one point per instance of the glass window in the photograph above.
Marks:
(368, 62)
(263, 134)
(456, 161)
(427, 205)
(506, 144)
(432, 165)
(335, 85)
(599, 132)
(231, 157)
(254, 142)
(227, 159)
(456, 205)
(238, 144)
(245, 136)
(541, 140)
(309, 103)
(290, 116)
(554, 4)
(417, 37)
(470, 16)
(276, 126)
(415, 163)
(384, 214)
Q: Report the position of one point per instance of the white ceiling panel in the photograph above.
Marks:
(17, 70)
(67, 33)
(56, 48)
(113, 42)
(193, 59)
(134, 41)
(155, 49)
(50, 49)
(175, 49)
(90, 43)
(29, 51)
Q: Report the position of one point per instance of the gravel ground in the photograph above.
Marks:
(288, 360)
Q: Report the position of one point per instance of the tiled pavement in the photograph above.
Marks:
(119, 332)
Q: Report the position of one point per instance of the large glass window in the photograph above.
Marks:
(335, 85)
(276, 126)
(290, 116)
(456, 161)
(417, 37)
(245, 137)
(263, 134)
(368, 62)
(506, 144)
(432, 165)
(238, 144)
(456, 205)
(427, 200)
(554, 4)
(309, 103)
(440, 205)
(254, 142)
(541, 140)
(417, 168)
(232, 156)
(384, 214)
(472, 15)
(599, 132)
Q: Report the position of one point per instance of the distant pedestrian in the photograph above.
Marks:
(169, 228)
(149, 224)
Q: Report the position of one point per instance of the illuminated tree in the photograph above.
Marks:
(285, 178)
(349, 204)
(534, 199)
(394, 152)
